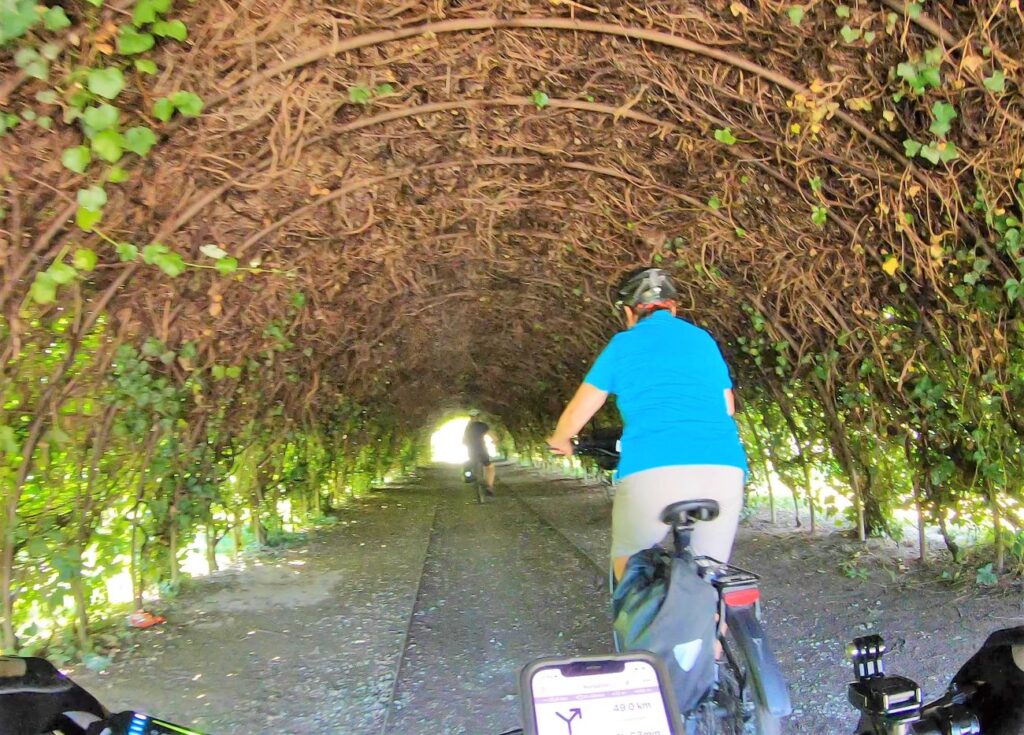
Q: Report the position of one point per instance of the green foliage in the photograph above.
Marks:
(139, 140)
(539, 99)
(164, 258)
(55, 19)
(131, 41)
(186, 103)
(922, 74)
(16, 18)
(943, 115)
(796, 14)
(724, 135)
(76, 159)
(106, 83)
(170, 29)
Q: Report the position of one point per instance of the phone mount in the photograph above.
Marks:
(894, 703)
(895, 698)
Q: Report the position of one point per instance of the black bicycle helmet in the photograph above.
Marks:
(645, 287)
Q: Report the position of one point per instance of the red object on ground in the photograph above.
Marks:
(143, 619)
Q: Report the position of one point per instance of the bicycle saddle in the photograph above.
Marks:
(688, 512)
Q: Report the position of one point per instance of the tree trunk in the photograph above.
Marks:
(997, 529)
(236, 531)
(78, 590)
(952, 545)
(172, 542)
(211, 548)
(801, 453)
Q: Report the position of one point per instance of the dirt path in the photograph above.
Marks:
(415, 614)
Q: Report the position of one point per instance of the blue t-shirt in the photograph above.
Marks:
(669, 378)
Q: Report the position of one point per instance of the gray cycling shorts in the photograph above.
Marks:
(640, 498)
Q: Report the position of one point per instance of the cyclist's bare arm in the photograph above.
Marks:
(730, 402)
(580, 410)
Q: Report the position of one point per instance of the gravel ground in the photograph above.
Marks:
(415, 613)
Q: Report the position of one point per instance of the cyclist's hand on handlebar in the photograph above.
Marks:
(560, 446)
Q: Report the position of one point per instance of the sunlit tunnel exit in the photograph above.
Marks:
(446, 443)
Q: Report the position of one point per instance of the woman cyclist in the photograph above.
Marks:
(680, 441)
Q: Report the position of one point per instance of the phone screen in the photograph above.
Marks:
(613, 698)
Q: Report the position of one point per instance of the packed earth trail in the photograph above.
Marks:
(415, 613)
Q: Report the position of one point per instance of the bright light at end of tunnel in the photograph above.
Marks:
(446, 443)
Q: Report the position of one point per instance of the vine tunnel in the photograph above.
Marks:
(349, 220)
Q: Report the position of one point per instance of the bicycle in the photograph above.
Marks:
(473, 472)
(750, 696)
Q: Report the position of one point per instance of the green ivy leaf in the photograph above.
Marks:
(914, 10)
(540, 99)
(226, 266)
(816, 184)
(146, 66)
(869, 36)
(233, 371)
(152, 251)
(163, 258)
(146, 11)
(86, 219)
(45, 122)
(94, 198)
(44, 289)
(163, 109)
(85, 259)
(62, 273)
(943, 115)
(106, 83)
(997, 82)
(126, 252)
(47, 97)
(16, 18)
(947, 151)
(170, 29)
(76, 159)
(911, 147)
(171, 264)
(843, 11)
(383, 89)
(930, 153)
(715, 203)
(108, 145)
(359, 94)
(796, 14)
(217, 371)
(849, 34)
(139, 140)
(103, 117)
(187, 103)
(819, 216)
(55, 19)
(117, 175)
(724, 135)
(131, 41)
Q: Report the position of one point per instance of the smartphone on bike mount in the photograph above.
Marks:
(613, 694)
